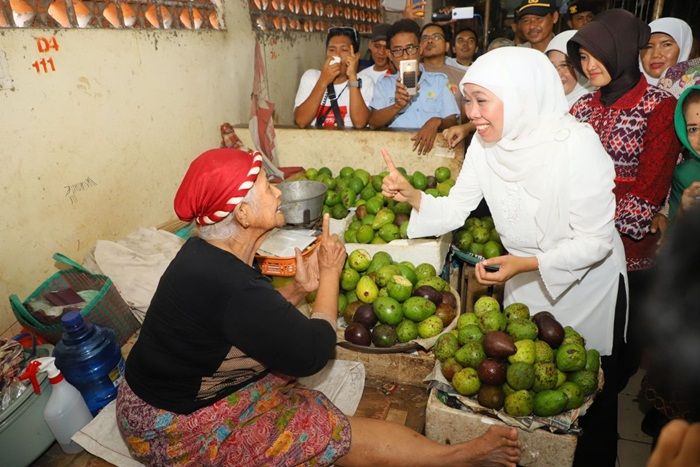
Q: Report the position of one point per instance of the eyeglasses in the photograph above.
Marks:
(344, 31)
(435, 37)
(399, 51)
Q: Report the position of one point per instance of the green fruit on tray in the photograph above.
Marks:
(399, 288)
(365, 234)
(571, 357)
(418, 308)
(445, 347)
(466, 382)
(520, 375)
(525, 352)
(549, 402)
(573, 393)
(406, 331)
(517, 311)
(346, 172)
(425, 270)
(339, 211)
(359, 260)
(384, 335)
(388, 310)
(442, 174)
(587, 380)
(470, 354)
(466, 319)
(367, 290)
(484, 304)
(430, 327)
(519, 404)
(470, 332)
(349, 279)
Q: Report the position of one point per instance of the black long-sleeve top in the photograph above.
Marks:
(214, 325)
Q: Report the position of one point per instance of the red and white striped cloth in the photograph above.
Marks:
(215, 183)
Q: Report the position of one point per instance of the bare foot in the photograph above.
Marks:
(499, 446)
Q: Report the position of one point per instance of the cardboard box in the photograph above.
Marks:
(417, 251)
(540, 448)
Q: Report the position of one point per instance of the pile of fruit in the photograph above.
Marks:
(478, 236)
(385, 303)
(509, 360)
(377, 219)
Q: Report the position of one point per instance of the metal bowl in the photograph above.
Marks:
(302, 201)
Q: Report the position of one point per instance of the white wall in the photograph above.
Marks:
(119, 120)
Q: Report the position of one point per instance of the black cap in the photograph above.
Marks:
(379, 32)
(580, 6)
(535, 7)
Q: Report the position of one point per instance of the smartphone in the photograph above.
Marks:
(409, 75)
(420, 13)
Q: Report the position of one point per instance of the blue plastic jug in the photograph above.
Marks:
(89, 358)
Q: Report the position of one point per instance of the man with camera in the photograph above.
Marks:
(412, 100)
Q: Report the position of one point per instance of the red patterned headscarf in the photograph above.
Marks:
(215, 183)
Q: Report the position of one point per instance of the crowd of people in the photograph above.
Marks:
(586, 149)
(632, 83)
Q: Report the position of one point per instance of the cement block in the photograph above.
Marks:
(541, 448)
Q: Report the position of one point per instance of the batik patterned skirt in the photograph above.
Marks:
(269, 422)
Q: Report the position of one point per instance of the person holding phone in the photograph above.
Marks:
(549, 184)
(335, 97)
(428, 108)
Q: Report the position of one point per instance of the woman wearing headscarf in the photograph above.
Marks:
(211, 379)
(634, 121)
(575, 86)
(669, 43)
(548, 183)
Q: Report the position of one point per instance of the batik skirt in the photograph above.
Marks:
(271, 421)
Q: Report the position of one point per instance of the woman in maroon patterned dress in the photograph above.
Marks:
(211, 379)
(634, 121)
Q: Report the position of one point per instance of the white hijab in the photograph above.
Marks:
(536, 127)
(679, 31)
(583, 86)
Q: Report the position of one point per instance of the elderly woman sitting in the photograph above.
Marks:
(211, 379)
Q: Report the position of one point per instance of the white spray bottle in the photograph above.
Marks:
(65, 412)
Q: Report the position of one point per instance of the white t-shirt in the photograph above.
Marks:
(342, 93)
(454, 63)
(370, 74)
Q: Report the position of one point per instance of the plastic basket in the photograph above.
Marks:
(106, 309)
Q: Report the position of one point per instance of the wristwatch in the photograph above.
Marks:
(355, 83)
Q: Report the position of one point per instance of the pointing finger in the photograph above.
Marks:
(325, 229)
(387, 160)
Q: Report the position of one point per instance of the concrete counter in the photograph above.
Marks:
(358, 149)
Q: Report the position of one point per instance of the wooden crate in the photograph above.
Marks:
(392, 402)
(401, 368)
(540, 448)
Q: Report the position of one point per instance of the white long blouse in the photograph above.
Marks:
(579, 264)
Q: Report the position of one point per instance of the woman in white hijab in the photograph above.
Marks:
(575, 86)
(548, 182)
(670, 43)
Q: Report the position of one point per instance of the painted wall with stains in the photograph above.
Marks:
(95, 139)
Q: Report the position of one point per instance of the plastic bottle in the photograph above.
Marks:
(90, 360)
(65, 412)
